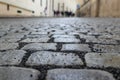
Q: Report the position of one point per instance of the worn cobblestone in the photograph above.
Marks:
(76, 74)
(103, 59)
(40, 46)
(54, 58)
(106, 48)
(12, 57)
(67, 40)
(76, 47)
(16, 73)
(8, 46)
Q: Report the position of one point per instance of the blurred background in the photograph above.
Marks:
(60, 8)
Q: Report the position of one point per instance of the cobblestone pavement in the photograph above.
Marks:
(60, 49)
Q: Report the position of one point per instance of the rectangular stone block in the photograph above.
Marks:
(78, 74)
(63, 36)
(106, 48)
(76, 47)
(12, 57)
(37, 36)
(16, 73)
(28, 40)
(53, 58)
(58, 32)
(7, 46)
(103, 60)
(39, 33)
(40, 46)
(14, 35)
(67, 40)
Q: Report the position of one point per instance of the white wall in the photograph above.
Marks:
(29, 5)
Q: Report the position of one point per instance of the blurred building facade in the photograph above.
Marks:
(35, 7)
(99, 8)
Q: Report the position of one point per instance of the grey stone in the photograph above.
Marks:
(17, 73)
(94, 34)
(2, 33)
(12, 57)
(37, 36)
(78, 74)
(66, 40)
(54, 58)
(40, 46)
(2, 40)
(58, 32)
(7, 46)
(10, 40)
(14, 35)
(116, 37)
(39, 33)
(76, 47)
(28, 40)
(103, 60)
(106, 48)
(89, 38)
(83, 31)
(107, 41)
(73, 33)
(63, 36)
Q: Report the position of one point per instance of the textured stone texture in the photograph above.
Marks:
(54, 58)
(39, 33)
(40, 46)
(75, 47)
(12, 57)
(107, 48)
(2, 33)
(76, 74)
(7, 46)
(103, 60)
(75, 37)
(28, 40)
(16, 73)
(63, 36)
(13, 35)
(66, 40)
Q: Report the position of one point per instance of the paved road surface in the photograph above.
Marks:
(60, 49)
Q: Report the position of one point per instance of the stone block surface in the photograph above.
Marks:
(76, 47)
(54, 58)
(17, 73)
(12, 57)
(40, 46)
(76, 74)
(106, 48)
(67, 40)
(103, 60)
(7, 46)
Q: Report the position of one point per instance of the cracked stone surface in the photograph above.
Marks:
(54, 58)
(90, 45)
(74, 74)
(16, 73)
